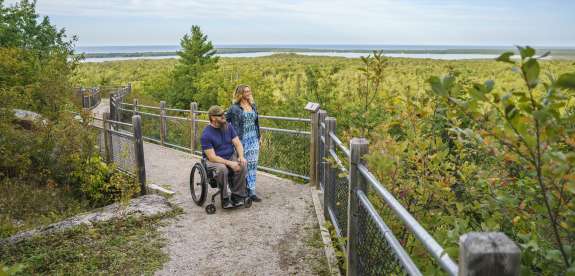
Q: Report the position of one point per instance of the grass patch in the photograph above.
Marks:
(25, 206)
(320, 265)
(130, 246)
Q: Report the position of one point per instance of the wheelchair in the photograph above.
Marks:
(200, 177)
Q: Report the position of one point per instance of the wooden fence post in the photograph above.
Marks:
(488, 253)
(135, 106)
(320, 165)
(162, 122)
(139, 153)
(113, 106)
(358, 147)
(193, 126)
(329, 173)
(312, 148)
(108, 147)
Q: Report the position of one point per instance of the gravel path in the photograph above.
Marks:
(278, 236)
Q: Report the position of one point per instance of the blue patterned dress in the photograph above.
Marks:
(251, 145)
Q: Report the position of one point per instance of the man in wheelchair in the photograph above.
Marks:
(219, 139)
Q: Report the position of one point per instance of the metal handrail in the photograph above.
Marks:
(293, 119)
(338, 161)
(120, 123)
(147, 106)
(412, 224)
(177, 118)
(178, 110)
(123, 134)
(285, 130)
(339, 144)
(149, 114)
(283, 172)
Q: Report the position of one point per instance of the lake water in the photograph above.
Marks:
(331, 54)
(442, 52)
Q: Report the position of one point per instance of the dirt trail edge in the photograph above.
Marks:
(278, 236)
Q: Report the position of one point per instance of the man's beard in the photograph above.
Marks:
(223, 125)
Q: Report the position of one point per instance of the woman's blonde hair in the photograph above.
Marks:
(240, 93)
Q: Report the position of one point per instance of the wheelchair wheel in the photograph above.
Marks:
(198, 184)
(210, 209)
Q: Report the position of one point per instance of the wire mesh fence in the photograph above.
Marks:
(123, 154)
(284, 143)
(375, 254)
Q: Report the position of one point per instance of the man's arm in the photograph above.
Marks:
(239, 148)
(212, 157)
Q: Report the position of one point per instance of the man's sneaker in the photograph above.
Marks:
(237, 200)
(228, 203)
(255, 198)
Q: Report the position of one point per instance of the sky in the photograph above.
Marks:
(393, 22)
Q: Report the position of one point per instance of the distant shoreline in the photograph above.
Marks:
(557, 53)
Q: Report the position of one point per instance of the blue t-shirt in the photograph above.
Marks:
(220, 141)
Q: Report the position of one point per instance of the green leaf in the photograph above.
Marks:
(566, 81)
(531, 72)
(505, 57)
(526, 52)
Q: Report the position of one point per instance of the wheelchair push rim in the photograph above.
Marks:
(198, 184)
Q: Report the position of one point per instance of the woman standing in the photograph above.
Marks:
(243, 116)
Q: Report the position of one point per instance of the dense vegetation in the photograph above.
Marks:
(50, 167)
(420, 144)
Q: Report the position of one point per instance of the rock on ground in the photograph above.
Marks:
(147, 206)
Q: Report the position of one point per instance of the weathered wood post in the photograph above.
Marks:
(89, 98)
(139, 153)
(108, 147)
(313, 109)
(119, 100)
(162, 122)
(488, 253)
(320, 162)
(329, 173)
(129, 87)
(193, 126)
(358, 147)
(113, 106)
(135, 106)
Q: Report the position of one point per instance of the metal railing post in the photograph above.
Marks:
(193, 126)
(139, 153)
(320, 153)
(488, 253)
(108, 147)
(358, 147)
(162, 122)
(329, 172)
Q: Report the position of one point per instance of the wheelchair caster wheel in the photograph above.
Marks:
(248, 203)
(210, 209)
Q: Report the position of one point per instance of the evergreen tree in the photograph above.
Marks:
(196, 59)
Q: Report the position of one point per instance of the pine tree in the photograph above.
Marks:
(196, 59)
